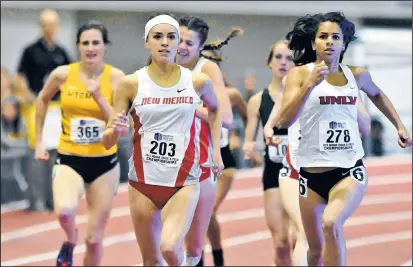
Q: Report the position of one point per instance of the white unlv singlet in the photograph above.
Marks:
(166, 138)
(294, 137)
(328, 123)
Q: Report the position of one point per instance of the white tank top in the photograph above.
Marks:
(200, 64)
(206, 143)
(224, 138)
(328, 123)
(294, 137)
(224, 132)
(166, 138)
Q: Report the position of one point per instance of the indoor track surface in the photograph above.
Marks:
(378, 234)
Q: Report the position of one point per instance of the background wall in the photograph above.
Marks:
(245, 54)
(389, 59)
(388, 56)
(19, 27)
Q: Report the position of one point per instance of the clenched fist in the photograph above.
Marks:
(319, 73)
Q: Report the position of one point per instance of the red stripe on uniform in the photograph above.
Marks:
(294, 174)
(203, 142)
(188, 160)
(206, 173)
(137, 151)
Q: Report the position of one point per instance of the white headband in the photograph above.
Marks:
(161, 19)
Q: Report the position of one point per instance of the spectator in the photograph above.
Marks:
(249, 85)
(37, 61)
(41, 57)
(13, 141)
(376, 136)
(5, 84)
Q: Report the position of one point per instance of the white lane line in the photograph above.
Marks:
(352, 243)
(407, 263)
(233, 195)
(242, 174)
(238, 240)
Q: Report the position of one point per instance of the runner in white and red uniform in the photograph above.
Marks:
(165, 167)
(194, 33)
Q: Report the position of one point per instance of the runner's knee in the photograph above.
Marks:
(330, 227)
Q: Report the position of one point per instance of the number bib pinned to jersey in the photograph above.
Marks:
(335, 136)
(165, 149)
(277, 153)
(86, 130)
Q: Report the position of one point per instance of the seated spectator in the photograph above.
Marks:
(14, 147)
(5, 84)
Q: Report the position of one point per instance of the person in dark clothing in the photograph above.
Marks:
(377, 137)
(42, 56)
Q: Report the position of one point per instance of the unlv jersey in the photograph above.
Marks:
(328, 123)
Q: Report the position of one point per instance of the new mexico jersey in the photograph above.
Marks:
(206, 146)
(328, 124)
(82, 121)
(166, 139)
(205, 137)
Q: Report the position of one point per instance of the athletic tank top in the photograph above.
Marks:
(52, 127)
(166, 138)
(274, 153)
(294, 136)
(329, 128)
(205, 137)
(206, 140)
(82, 121)
(224, 141)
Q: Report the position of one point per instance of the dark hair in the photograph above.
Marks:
(197, 25)
(16, 121)
(201, 27)
(93, 24)
(217, 56)
(304, 32)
